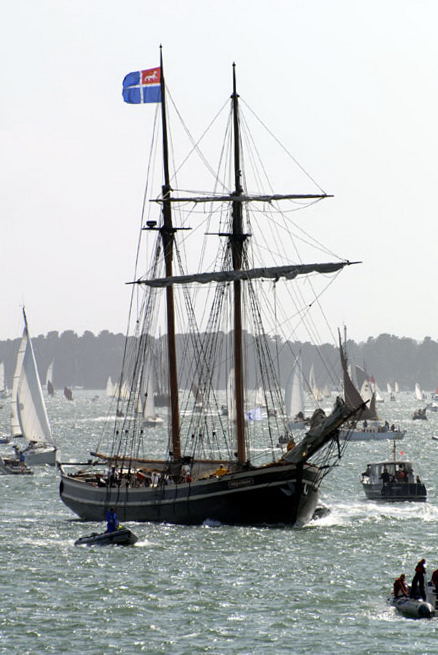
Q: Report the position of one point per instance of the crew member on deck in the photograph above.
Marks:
(417, 586)
(400, 587)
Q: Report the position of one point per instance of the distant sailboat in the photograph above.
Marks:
(29, 415)
(109, 388)
(49, 380)
(372, 428)
(150, 418)
(4, 393)
(294, 397)
(418, 393)
(68, 393)
(314, 389)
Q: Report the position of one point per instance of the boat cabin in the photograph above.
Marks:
(388, 472)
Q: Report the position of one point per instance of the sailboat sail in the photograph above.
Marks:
(294, 392)
(418, 392)
(31, 408)
(49, 380)
(353, 398)
(15, 421)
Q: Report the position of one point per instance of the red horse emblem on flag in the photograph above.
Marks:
(151, 76)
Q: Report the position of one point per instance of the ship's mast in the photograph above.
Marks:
(167, 232)
(237, 239)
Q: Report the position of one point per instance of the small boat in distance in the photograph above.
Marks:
(372, 428)
(393, 481)
(13, 466)
(120, 537)
(68, 393)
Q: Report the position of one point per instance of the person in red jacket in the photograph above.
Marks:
(400, 587)
(417, 586)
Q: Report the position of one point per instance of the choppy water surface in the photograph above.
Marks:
(188, 590)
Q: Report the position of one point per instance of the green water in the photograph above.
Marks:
(190, 590)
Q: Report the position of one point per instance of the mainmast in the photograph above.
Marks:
(167, 232)
(237, 239)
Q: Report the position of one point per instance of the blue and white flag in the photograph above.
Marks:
(142, 86)
(254, 414)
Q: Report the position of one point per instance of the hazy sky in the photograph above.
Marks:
(350, 87)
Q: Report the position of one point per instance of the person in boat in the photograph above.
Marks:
(112, 522)
(417, 586)
(401, 474)
(435, 580)
(401, 589)
(385, 477)
(220, 471)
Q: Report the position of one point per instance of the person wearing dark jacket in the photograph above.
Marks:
(417, 586)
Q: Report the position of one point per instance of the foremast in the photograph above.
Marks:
(167, 232)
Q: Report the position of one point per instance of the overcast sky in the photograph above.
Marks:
(350, 87)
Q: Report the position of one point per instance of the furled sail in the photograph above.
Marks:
(289, 272)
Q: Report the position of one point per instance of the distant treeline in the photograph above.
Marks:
(89, 360)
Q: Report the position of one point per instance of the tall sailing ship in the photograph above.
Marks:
(209, 465)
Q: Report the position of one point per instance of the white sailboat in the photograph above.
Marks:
(315, 391)
(109, 388)
(4, 392)
(418, 393)
(49, 380)
(294, 398)
(28, 411)
(150, 418)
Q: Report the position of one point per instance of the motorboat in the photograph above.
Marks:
(372, 431)
(12, 466)
(420, 414)
(393, 480)
(120, 537)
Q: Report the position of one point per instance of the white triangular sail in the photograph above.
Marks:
(388, 387)
(31, 408)
(418, 392)
(316, 393)
(15, 423)
(2, 377)
(110, 388)
(230, 396)
(294, 392)
(396, 387)
(148, 399)
(49, 380)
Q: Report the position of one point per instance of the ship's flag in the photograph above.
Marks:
(254, 414)
(142, 86)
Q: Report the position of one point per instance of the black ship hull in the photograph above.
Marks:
(279, 494)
